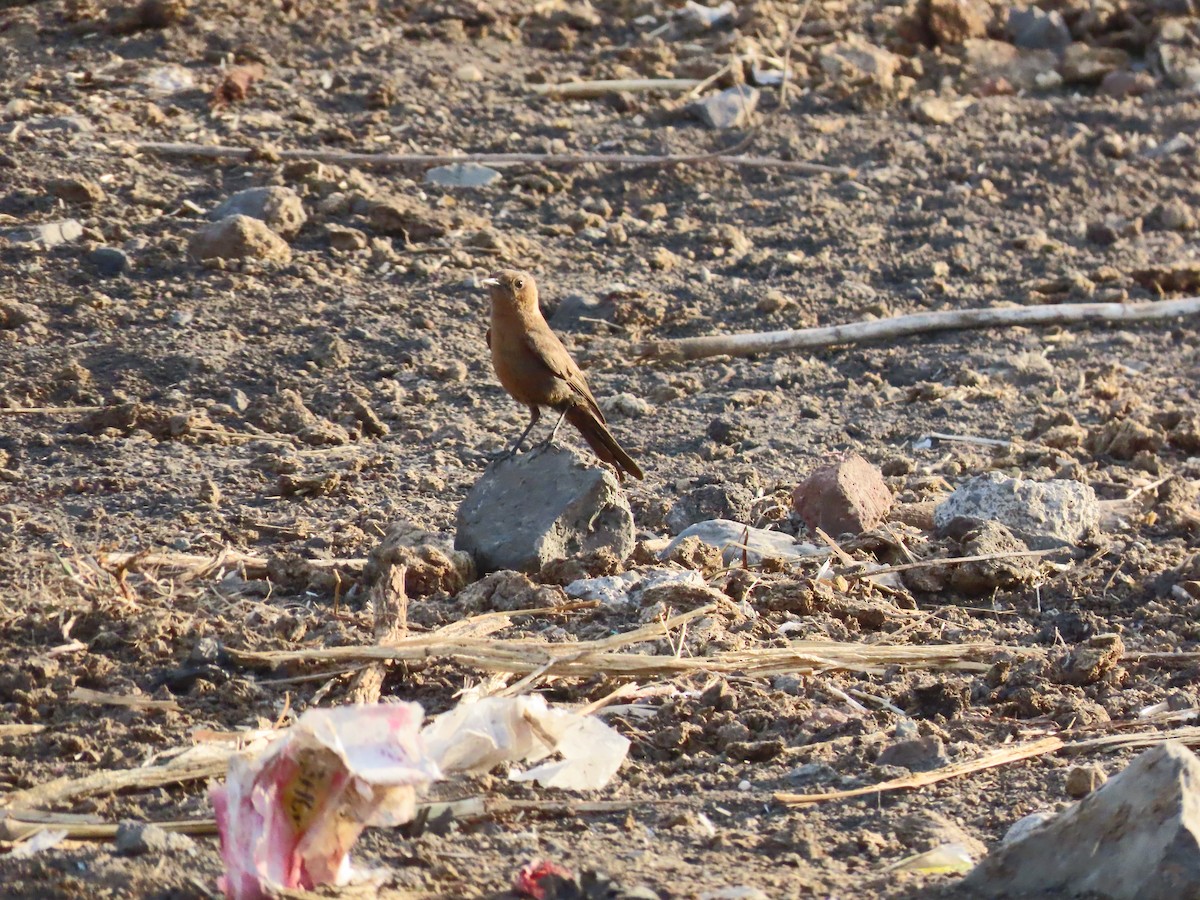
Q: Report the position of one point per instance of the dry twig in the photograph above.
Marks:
(919, 323)
(424, 160)
(999, 757)
(587, 659)
(580, 90)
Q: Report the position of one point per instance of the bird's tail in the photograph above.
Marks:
(600, 439)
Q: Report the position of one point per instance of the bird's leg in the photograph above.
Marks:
(535, 413)
(554, 431)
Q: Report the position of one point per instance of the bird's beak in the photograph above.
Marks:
(490, 282)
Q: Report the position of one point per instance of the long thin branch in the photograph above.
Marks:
(336, 157)
(1000, 757)
(920, 323)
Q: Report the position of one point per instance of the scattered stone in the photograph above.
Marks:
(854, 61)
(1083, 780)
(140, 838)
(1186, 434)
(710, 501)
(1180, 65)
(409, 219)
(625, 405)
(78, 191)
(597, 564)
(1112, 229)
(541, 505)
(1170, 277)
(916, 754)
(161, 13)
(1180, 143)
(1091, 661)
(663, 259)
(346, 240)
(109, 261)
(1123, 439)
(846, 497)
(462, 175)
(731, 108)
(737, 892)
(730, 537)
(995, 61)
(1086, 64)
(730, 237)
(1136, 838)
(1043, 514)
(507, 591)
(1031, 28)
(986, 576)
(936, 110)
(434, 566)
(48, 234)
(279, 207)
(239, 237)
(1122, 83)
(469, 72)
(693, 553)
(14, 314)
(1174, 215)
(955, 21)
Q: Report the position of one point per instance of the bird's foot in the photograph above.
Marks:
(498, 455)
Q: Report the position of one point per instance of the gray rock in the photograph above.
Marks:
(109, 261)
(1138, 836)
(47, 234)
(139, 838)
(462, 175)
(1043, 514)
(541, 505)
(1035, 29)
(239, 237)
(729, 537)
(731, 108)
(279, 207)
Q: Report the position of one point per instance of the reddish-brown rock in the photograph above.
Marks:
(849, 496)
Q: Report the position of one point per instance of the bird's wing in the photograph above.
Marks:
(546, 346)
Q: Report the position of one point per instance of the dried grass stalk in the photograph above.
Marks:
(600, 657)
(1000, 757)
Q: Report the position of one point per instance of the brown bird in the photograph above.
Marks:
(536, 369)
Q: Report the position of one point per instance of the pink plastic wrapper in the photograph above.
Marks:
(289, 814)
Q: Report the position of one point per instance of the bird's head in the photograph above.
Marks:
(512, 288)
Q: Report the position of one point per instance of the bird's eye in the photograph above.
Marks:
(518, 284)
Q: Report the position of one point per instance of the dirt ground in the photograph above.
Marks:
(295, 407)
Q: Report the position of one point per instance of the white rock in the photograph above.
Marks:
(48, 234)
(1042, 513)
(729, 537)
(462, 175)
(627, 587)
